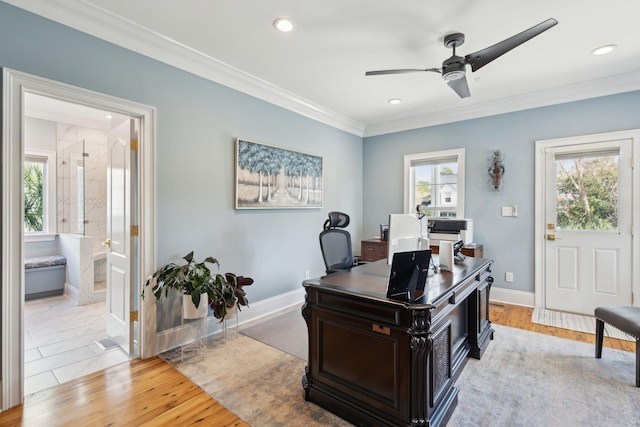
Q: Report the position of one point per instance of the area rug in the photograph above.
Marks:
(574, 322)
(523, 379)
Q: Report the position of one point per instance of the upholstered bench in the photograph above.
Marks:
(44, 276)
(627, 319)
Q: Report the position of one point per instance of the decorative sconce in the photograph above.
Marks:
(496, 170)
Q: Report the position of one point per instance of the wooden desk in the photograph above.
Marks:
(376, 249)
(377, 361)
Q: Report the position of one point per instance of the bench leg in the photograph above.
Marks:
(599, 335)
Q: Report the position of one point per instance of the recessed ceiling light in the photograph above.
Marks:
(108, 116)
(395, 101)
(283, 25)
(602, 50)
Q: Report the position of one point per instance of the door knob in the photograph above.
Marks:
(552, 237)
(107, 243)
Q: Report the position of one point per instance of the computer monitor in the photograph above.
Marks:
(405, 234)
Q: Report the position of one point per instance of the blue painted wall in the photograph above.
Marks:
(507, 240)
(196, 125)
(198, 121)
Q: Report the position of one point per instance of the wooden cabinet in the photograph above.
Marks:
(373, 250)
(476, 250)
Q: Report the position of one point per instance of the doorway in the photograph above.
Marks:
(585, 217)
(16, 86)
(66, 169)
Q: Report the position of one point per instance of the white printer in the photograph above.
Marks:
(449, 229)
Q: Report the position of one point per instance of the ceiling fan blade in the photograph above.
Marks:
(482, 57)
(401, 71)
(460, 87)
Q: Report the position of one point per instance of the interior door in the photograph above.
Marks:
(588, 233)
(119, 213)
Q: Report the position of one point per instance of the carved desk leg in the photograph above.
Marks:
(306, 377)
(433, 395)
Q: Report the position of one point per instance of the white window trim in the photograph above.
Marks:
(409, 201)
(52, 184)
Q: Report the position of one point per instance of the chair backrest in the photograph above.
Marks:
(336, 220)
(336, 244)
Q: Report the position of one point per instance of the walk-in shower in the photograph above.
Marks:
(82, 210)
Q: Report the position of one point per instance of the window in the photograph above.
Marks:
(435, 182)
(587, 190)
(39, 192)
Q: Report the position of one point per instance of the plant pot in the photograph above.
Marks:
(190, 311)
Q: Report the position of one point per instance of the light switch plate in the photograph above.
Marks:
(507, 211)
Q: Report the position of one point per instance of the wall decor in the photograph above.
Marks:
(269, 177)
(496, 170)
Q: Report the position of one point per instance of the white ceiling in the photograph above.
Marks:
(318, 69)
(55, 110)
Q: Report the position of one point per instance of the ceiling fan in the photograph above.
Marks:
(453, 68)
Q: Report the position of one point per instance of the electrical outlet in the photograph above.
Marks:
(306, 274)
(508, 277)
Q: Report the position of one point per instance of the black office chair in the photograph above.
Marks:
(335, 243)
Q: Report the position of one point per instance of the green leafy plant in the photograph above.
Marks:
(195, 278)
(229, 292)
(33, 197)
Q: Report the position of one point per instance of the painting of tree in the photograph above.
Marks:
(269, 177)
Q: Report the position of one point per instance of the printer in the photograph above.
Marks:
(450, 229)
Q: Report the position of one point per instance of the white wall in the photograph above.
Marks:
(39, 134)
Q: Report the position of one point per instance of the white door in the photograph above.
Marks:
(588, 225)
(119, 213)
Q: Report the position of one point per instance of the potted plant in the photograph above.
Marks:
(195, 281)
(230, 295)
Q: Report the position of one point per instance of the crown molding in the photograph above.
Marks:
(100, 23)
(626, 82)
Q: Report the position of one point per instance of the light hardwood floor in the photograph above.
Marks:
(520, 317)
(137, 393)
(152, 393)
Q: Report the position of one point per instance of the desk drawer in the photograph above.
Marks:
(373, 250)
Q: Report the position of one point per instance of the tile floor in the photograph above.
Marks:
(60, 342)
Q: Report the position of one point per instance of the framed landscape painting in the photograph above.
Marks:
(269, 177)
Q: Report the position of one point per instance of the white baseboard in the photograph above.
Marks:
(510, 296)
(172, 338)
(271, 305)
(72, 293)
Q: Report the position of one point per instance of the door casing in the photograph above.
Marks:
(14, 85)
(540, 225)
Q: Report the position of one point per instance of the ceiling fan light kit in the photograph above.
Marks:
(453, 69)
